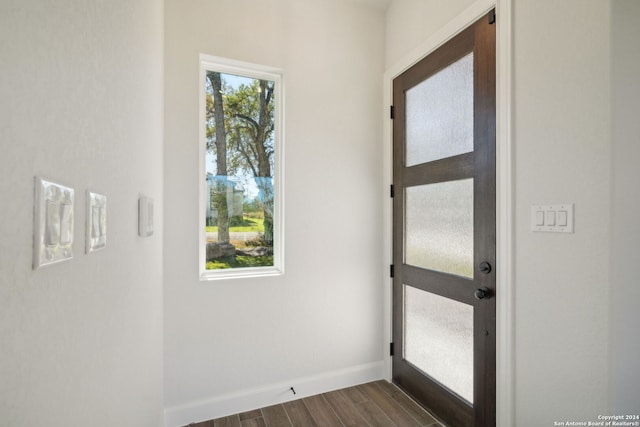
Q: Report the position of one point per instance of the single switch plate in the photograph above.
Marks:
(96, 233)
(555, 218)
(52, 223)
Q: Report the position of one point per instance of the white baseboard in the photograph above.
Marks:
(259, 397)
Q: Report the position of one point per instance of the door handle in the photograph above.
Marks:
(482, 293)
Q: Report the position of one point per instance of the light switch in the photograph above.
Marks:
(96, 234)
(539, 215)
(52, 223)
(94, 226)
(65, 223)
(145, 216)
(550, 218)
(562, 218)
(102, 217)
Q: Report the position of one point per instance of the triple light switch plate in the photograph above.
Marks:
(552, 218)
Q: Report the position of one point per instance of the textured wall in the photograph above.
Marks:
(323, 315)
(81, 104)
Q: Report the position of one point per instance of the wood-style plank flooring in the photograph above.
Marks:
(375, 404)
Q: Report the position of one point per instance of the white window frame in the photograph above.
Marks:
(229, 66)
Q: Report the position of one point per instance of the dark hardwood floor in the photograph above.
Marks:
(375, 404)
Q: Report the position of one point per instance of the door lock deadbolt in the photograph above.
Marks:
(485, 267)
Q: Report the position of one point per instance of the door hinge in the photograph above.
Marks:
(392, 270)
(392, 193)
(492, 17)
(391, 112)
(391, 349)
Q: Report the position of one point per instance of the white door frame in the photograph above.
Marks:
(505, 351)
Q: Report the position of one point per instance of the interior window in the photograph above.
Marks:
(241, 193)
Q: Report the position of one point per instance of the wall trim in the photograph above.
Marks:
(505, 315)
(505, 322)
(259, 397)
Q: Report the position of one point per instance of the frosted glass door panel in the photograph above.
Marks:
(438, 339)
(439, 227)
(439, 114)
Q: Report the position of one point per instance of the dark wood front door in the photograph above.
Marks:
(444, 221)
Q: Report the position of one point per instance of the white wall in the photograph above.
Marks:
(81, 104)
(409, 22)
(322, 319)
(625, 315)
(562, 152)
